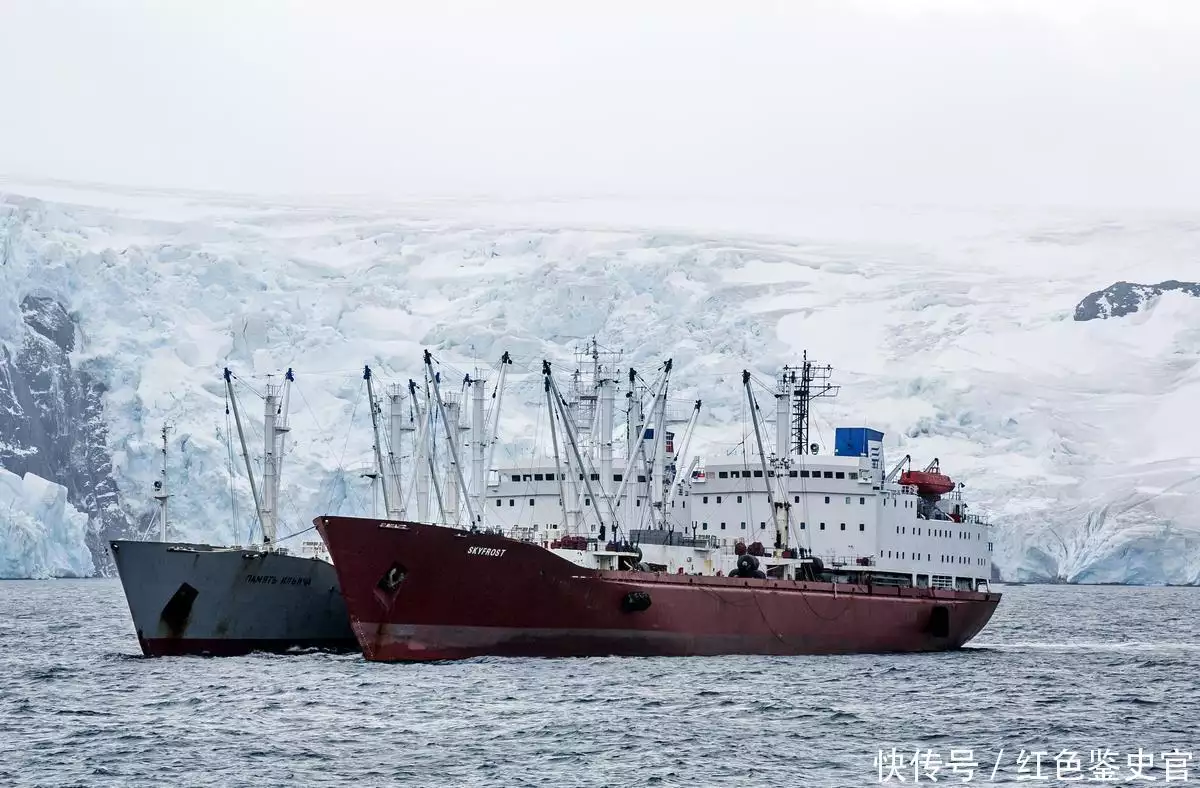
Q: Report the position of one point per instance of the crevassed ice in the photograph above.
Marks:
(41, 535)
(954, 336)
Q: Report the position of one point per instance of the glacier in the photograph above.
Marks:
(950, 330)
(43, 535)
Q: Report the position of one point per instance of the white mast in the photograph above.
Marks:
(430, 446)
(396, 426)
(681, 454)
(657, 481)
(160, 491)
(269, 470)
(568, 523)
(274, 429)
(420, 466)
(783, 415)
(779, 511)
(478, 440)
(237, 418)
(454, 486)
(421, 457)
(607, 385)
(637, 448)
(634, 425)
(494, 423)
(380, 469)
(451, 436)
(569, 428)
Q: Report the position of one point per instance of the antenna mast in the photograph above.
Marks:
(160, 490)
(812, 383)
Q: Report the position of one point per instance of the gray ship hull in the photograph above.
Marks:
(222, 601)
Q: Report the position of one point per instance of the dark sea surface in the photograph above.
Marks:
(1059, 668)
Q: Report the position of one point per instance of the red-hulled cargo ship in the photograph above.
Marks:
(423, 592)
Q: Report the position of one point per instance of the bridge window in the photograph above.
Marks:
(641, 477)
(853, 474)
(803, 474)
(862, 501)
(792, 474)
(549, 477)
(797, 499)
(722, 526)
(517, 477)
(718, 499)
(822, 526)
(743, 525)
(511, 502)
(617, 477)
(826, 499)
(847, 499)
(762, 524)
(531, 502)
(803, 526)
(828, 474)
(840, 475)
(739, 500)
(537, 477)
(862, 526)
(843, 526)
(723, 475)
(758, 474)
(703, 526)
(706, 499)
(498, 501)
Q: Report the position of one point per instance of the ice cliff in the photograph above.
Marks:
(42, 534)
(950, 331)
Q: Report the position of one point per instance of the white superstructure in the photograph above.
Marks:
(802, 512)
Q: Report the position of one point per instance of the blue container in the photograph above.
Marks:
(852, 441)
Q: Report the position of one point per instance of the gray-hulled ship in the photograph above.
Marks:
(214, 600)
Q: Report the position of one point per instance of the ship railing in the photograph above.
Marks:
(851, 561)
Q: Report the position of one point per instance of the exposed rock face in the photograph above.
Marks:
(1123, 298)
(52, 425)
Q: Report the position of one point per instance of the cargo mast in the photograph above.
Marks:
(779, 510)
(274, 429)
(381, 471)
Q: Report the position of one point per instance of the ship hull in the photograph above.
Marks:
(419, 592)
(217, 601)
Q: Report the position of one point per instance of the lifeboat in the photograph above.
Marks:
(928, 482)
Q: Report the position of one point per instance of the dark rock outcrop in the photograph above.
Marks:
(52, 425)
(1123, 298)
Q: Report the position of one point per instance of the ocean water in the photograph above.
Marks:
(1086, 676)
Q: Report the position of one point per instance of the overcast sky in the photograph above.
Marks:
(1059, 101)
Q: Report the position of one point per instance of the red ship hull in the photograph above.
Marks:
(419, 592)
